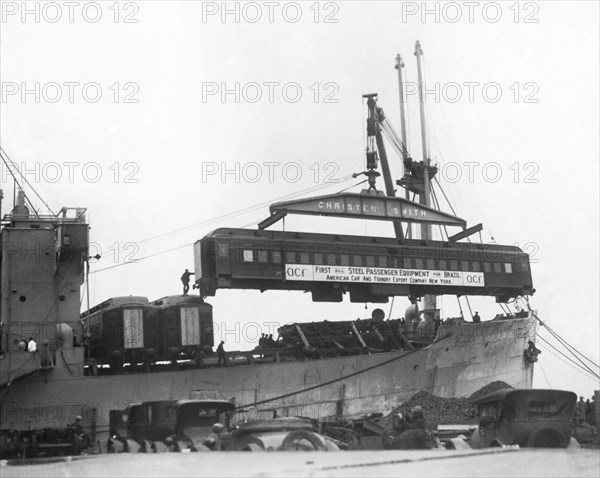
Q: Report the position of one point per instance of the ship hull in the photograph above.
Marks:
(461, 360)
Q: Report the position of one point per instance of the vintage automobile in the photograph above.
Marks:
(525, 417)
(166, 425)
(278, 434)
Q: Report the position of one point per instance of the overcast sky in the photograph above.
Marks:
(167, 119)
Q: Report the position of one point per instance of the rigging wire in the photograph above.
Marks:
(576, 369)
(142, 258)
(438, 207)
(575, 365)
(573, 351)
(565, 344)
(469, 305)
(545, 376)
(444, 193)
(240, 212)
(6, 157)
(216, 219)
(453, 143)
(18, 184)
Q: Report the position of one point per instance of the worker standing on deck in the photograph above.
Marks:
(32, 346)
(221, 354)
(185, 279)
(476, 318)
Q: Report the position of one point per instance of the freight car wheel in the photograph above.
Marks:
(304, 440)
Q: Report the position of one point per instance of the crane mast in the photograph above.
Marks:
(430, 310)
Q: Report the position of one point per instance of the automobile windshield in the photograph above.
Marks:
(202, 415)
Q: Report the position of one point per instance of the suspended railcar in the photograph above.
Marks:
(370, 269)
(185, 327)
(122, 330)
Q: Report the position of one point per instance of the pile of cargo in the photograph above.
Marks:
(443, 411)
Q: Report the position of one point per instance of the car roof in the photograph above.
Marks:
(207, 401)
(536, 393)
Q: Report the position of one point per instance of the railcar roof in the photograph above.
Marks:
(309, 236)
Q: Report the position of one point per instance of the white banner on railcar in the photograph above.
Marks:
(133, 328)
(380, 275)
(190, 326)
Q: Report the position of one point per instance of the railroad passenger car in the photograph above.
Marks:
(371, 269)
(123, 330)
(185, 326)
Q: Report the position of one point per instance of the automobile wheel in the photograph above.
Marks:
(160, 447)
(133, 446)
(303, 440)
(331, 445)
(546, 438)
(253, 447)
(147, 447)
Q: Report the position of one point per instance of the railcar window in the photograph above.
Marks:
(331, 259)
(357, 260)
(453, 265)
(487, 267)
(344, 259)
(276, 255)
(382, 261)
(248, 255)
(319, 258)
(524, 266)
(508, 267)
(430, 264)
(476, 266)
(465, 265)
(263, 256)
(304, 258)
(443, 265)
(407, 263)
(290, 257)
(497, 268)
(370, 261)
(395, 262)
(418, 263)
